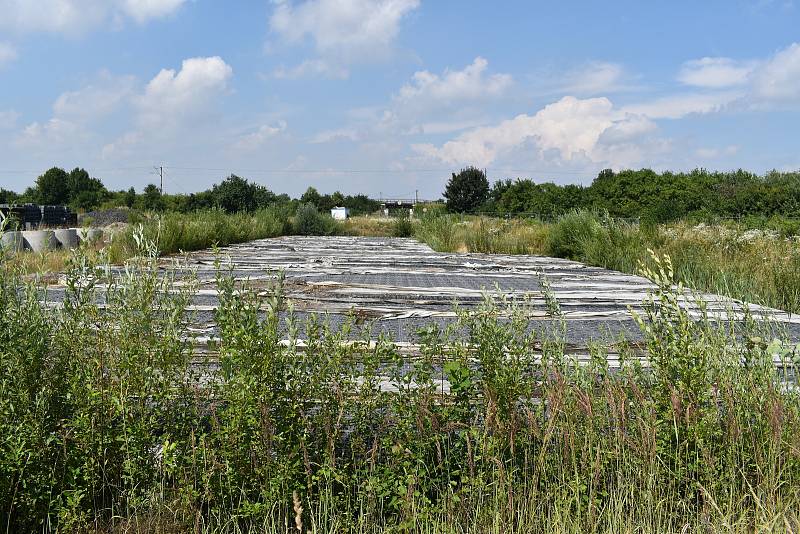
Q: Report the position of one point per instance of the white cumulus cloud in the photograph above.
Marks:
(716, 72)
(172, 94)
(342, 31)
(95, 100)
(772, 82)
(77, 16)
(51, 133)
(570, 128)
(173, 106)
(778, 79)
(595, 77)
(681, 105)
(256, 139)
(469, 83)
(144, 10)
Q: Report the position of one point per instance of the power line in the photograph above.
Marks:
(170, 178)
(368, 171)
(91, 169)
(159, 169)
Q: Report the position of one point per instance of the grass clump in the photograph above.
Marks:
(597, 239)
(369, 226)
(569, 235)
(181, 232)
(403, 227)
(441, 232)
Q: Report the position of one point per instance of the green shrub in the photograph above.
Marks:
(309, 221)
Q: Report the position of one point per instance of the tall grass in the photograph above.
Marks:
(748, 264)
(174, 232)
(455, 233)
(110, 420)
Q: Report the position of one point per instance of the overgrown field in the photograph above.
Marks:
(758, 265)
(111, 422)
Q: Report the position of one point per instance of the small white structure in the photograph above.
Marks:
(340, 213)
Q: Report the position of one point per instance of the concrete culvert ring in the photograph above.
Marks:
(40, 240)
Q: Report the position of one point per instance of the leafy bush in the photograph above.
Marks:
(235, 194)
(309, 221)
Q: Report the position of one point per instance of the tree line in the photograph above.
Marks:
(644, 194)
(81, 192)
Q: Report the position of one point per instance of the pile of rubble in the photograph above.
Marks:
(107, 217)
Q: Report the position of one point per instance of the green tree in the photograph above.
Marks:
(233, 194)
(84, 192)
(311, 196)
(309, 221)
(338, 199)
(151, 199)
(467, 190)
(52, 187)
(236, 194)
(130, 197)
(199, 201)
(262, 197)
(79, 181)
(7, 197)
(361, 204)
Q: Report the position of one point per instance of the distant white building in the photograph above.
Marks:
(340, 213)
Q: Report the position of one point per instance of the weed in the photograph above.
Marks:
(403, 227)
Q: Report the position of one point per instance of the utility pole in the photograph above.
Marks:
(416, 196)
(160, 171)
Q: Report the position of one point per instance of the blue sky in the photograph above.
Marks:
(389, 96)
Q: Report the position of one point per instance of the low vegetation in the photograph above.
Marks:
(746, 260)
(755, 265)
(111, 421)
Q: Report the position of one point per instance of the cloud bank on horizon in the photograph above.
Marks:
(389, 95)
